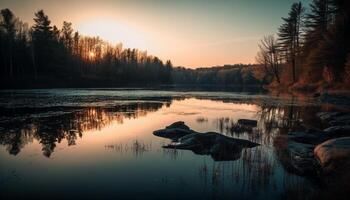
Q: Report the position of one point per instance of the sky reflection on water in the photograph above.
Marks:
(106, 148)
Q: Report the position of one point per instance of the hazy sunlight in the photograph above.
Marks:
(114, 32)
(138, 99)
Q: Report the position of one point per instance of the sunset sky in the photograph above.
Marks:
(191, 33)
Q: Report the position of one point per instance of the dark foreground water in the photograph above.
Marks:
(70, 144)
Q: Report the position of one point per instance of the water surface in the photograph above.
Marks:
(98, 143)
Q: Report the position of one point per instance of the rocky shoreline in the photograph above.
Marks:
(313, 152)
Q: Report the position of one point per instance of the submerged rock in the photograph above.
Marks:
(247, 122)
(220, 147)
(334, 154)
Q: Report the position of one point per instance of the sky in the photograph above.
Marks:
(191, 33)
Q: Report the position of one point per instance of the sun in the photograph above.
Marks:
(114, 32)
(91, 55)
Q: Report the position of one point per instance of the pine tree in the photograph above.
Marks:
(9, 32)
(331, 53)
(67, 35)
(43, 41)
(290, 35)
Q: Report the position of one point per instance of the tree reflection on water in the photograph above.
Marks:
(52, 129)
(264, 168)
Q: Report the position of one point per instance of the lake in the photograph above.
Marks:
(98, 143)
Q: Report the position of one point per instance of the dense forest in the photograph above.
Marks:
(228, 75)
(312, 48)
(46, 56)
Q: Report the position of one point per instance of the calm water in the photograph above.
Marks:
(99, 144)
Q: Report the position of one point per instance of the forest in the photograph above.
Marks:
(238, 75)
(310, 51)
(46, 56)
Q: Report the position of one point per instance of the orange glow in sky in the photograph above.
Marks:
(191, 33)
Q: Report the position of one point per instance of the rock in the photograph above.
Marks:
(339, 123)
(340, 120)
(174, 131)
(223, 150)
(302, 157)
(220, 147)
(335, 118)
(297, 158)
(247, 122)
(337, 131)
(342, 117)
(334, 154)
(313, 137)
(327, 116)
(210, 138)
(179, 124)
(337, 98)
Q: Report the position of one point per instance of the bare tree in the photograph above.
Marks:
(269, 56)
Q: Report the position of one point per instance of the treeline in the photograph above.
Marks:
(228, 75)
(312, 47)
(45, 56)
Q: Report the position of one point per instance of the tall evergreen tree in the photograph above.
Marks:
(9, 32)
(318, 22)
(67, 35)
(290, 35)
(336, 46)
(43, 41)
(60, 57)
(319, 19)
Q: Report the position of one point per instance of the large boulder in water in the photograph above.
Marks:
(179, 125)
(219, 146)
(174, 131)
(334, 154)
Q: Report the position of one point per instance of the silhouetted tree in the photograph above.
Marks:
(269, 56)
(336, 46)
(317, 24)
(66, 35)
(43, 39)
(8, 40)
(63, 56)
(289, 36)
